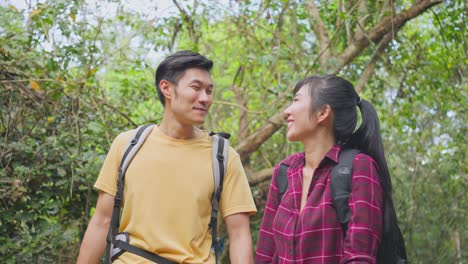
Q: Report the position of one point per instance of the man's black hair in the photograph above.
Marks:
(174, 66)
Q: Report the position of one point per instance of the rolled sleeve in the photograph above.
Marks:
(266, 245)
(366, 205)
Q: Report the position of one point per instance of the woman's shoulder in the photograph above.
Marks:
(363, 157)
(364, 163)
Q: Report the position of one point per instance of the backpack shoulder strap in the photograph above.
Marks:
(132, 147)
(282, 181)
(130, 150)
(341, 185)
(219, 152)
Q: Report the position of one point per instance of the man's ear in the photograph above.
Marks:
(166, 88)
(324, 114)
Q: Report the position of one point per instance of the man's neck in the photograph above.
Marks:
(179, 131)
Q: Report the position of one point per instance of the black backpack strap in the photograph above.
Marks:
(282, 181)
(116, 245)
(132, 147)
(341, 185)
(220, 148)
(142, 253)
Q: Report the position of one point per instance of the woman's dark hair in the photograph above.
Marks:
(340, 95)
(174, 66)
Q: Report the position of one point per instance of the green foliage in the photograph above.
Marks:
(72, 78)
(54, 135)
(423, 118)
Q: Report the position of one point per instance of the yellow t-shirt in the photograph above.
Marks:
(167, 195)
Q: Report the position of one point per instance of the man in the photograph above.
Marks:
(169, 184)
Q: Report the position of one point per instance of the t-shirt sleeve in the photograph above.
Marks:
(236, 196)
(107, 179)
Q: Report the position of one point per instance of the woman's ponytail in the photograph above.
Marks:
(340, 95)
(367, 138)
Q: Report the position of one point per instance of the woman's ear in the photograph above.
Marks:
(324, 114)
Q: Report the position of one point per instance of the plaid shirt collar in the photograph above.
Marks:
(331, 156)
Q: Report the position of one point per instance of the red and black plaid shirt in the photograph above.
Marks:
(314, 235)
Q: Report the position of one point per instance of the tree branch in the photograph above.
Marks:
(337, 30)
(320, 31)
(193, 33)
(363, 14)
(259, 176)
(349, 35)
(371, 65)
(252, 142)
(177, 27)
(243, 121)
(381, 29)
(119, 112)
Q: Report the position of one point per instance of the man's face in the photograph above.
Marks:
(191, 98)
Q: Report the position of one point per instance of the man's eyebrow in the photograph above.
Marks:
(201, 83)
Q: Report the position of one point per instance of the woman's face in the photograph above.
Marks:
(301, 123)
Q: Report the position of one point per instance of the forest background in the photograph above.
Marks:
(74, 74)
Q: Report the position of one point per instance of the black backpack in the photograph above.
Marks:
(340, 192)
(118, 242)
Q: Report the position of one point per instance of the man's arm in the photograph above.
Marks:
(240, 240)
(94, 241)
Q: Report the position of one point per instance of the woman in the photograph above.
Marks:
(302, 226)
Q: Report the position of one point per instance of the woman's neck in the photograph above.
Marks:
(316, 147)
